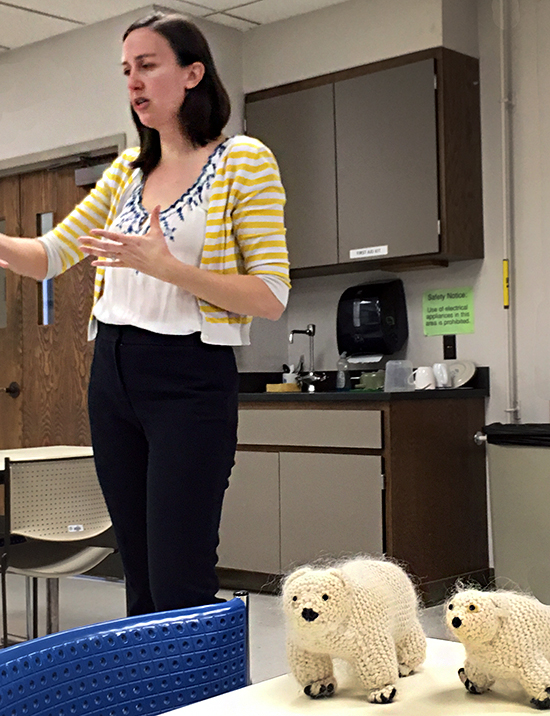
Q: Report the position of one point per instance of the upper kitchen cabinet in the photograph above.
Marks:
(299, 128)
(386, 144)
(381, 163)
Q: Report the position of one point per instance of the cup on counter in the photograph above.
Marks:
(443, 378)
(399, 376)
(424, 378)
(372, 380)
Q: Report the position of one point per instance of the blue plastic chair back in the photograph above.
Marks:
(135, 666)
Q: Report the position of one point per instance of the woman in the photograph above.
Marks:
(188, 238)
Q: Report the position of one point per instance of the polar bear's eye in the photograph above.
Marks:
(294, 599)
(472, 608)
(451, 607)
(325, 597)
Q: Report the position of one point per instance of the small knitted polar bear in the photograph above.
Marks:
(506, 636)
(362, 610)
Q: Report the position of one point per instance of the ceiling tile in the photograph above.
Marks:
(225, 4)
(235, 22)
(264, 11)
(87, 12)
(18, 27)
(196, 9)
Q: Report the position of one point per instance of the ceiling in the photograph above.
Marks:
(25, 21)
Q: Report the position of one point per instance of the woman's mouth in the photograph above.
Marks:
(140, 103)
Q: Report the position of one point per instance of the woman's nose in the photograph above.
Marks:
(133, 80)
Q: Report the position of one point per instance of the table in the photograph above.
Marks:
(434, 691)
(52, 452)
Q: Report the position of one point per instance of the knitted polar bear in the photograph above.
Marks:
(363, 611)
(506, 636)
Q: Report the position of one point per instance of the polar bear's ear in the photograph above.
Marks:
(340, 575)
(501, 607)
(295, 575)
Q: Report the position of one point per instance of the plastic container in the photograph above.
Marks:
(343, 381)
(399, 376)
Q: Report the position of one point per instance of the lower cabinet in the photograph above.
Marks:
(249, 530)
(331, 505)
(283, 509)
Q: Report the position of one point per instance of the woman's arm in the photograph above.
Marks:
(26, 257)
(246, 295)
(257, 198)
(58, 250)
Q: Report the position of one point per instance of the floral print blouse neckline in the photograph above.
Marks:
(135, 218)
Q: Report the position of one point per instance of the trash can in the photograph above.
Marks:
(519, 489)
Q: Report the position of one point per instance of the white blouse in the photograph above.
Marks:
(133, 298)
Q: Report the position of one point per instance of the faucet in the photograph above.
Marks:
(309, 378)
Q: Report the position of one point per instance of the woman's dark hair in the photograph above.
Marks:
(206, 108)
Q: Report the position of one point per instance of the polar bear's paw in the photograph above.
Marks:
(542, 701)
(405, 670)
(321, 689)
(470, 686)
(384, 695)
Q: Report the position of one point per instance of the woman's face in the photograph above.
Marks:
(156, 82)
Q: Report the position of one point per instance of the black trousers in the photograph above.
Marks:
(163, 414)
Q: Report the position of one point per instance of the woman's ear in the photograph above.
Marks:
(195, 73)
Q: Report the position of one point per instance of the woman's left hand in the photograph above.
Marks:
(147, 253)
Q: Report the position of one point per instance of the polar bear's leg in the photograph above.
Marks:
(376, 666)
(535, 679)
(474, 679)
(312, 671)
(411, 650)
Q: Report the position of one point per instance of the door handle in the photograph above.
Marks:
(13, 389)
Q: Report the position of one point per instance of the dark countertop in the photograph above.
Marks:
(361, 396)
(253, 391)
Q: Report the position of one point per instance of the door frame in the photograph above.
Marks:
(60, 156)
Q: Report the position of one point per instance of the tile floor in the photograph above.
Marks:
(86, 600)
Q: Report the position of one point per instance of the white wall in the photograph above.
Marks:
(70, 88)
(335, 38)
(361, 31)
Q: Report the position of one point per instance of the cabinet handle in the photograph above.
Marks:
(480, 438)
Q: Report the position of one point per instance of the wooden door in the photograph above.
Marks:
(11, 336)
(56, 357)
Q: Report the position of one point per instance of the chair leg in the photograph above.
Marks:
(31, 601)
(52, 605)
(4, 609)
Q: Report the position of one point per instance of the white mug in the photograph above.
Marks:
(443, 378)
(424, 378)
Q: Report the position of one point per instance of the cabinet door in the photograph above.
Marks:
(386, 146)
(249, 530)
(331, 505)
(299, 129)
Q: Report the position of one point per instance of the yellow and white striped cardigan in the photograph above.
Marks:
(244, 227)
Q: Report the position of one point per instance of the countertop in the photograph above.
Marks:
(252, 390)
(353, 396)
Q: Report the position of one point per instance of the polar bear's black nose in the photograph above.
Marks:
(309, 615)
(456, 622)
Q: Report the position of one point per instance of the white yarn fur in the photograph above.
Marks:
(368, 618)
(506, 636)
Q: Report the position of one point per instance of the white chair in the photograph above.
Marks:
(57, 506)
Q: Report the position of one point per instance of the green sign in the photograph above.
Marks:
(448, 311)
